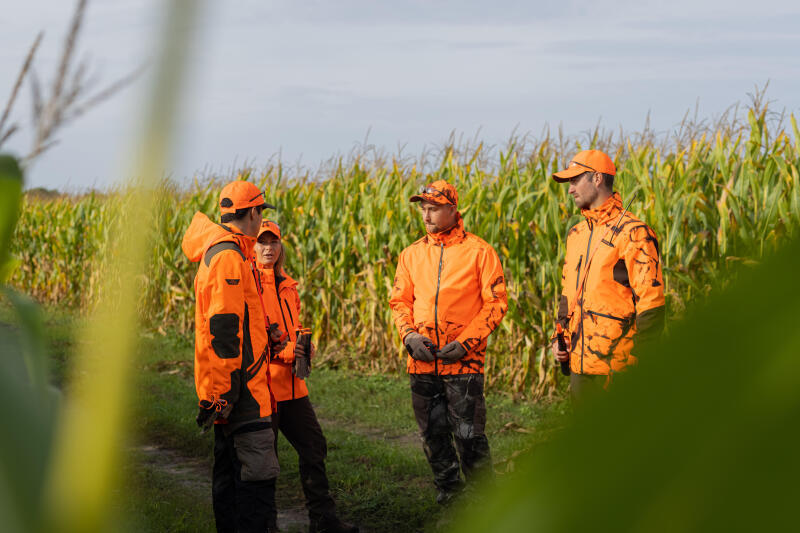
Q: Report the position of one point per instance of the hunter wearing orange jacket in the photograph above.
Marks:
(232, 360)
(289, 366)
(449, 295)
(612, 296)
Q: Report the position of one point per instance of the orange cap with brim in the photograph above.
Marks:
(268, 226)
(241, 194)
(438, 192)
(586, 161)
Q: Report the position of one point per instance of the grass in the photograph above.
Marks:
(378, 473)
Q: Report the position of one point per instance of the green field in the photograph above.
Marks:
(378, 472)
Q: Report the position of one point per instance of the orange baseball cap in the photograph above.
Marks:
(438, 192)
(586, 161)
(241, 194)
(268, 226)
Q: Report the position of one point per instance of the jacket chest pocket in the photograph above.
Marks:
(607, 328)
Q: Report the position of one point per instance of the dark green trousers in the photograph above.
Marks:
(584, 386)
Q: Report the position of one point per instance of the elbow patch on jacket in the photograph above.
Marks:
(499, 282)
(224, 329)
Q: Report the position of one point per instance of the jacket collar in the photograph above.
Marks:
(282, 280)
(246, 243)
(609, 210)
(454, 235)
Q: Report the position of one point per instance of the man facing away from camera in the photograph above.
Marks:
(231, 364)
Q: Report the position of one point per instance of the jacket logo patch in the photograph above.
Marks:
(232, 281)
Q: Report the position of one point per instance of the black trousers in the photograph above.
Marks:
(449, 408)
(243, 480)
(298, 423)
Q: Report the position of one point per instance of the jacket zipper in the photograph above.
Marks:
(588, 244)
(267, 354)
(288, 311)
(285, 325)
(595, 313)
(436, 308)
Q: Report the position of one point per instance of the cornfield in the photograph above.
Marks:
(717, 196)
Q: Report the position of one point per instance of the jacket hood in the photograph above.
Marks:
(454, 235)
(203, 232)
(610, 209)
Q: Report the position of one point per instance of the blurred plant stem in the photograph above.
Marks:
(87, 451)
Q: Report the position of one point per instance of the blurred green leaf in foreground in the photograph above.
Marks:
(25, 444)
(702, 436)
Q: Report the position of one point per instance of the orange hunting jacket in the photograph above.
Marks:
(612, 289)
(230, 335)
(282, 302)
(449, 286)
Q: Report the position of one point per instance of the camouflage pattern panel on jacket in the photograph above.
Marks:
(619, 301)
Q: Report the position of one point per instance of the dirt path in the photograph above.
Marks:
(195, 475)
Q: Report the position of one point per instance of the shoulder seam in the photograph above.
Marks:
(221, 247)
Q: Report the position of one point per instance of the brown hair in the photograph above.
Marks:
(278, 266)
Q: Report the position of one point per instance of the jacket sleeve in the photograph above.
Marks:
(647, 283)
(563, 301)
(402, 299)
(220, 371)
(567, 291)
(495, 301)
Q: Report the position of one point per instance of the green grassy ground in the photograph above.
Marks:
(378, 472)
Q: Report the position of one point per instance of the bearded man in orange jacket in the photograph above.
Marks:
(232, 360)
(449, 294)
(612, 299)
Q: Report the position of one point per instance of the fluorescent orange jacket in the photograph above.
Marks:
(612, 289)
(230, 352)
(449, 286)
(283, 307)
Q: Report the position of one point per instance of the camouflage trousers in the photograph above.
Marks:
(449, 408)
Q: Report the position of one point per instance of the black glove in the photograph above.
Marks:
(302, 363)
(206, 415)
(419, 347)
(451, 353)
(209, 413)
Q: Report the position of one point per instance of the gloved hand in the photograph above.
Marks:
(419, 347)
(277, 339)
(452, 352)
(210, 412)
(302, 363)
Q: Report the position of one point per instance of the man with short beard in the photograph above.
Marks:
(449, 294)
(612, 298)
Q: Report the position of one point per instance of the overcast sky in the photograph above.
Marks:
(310, 78)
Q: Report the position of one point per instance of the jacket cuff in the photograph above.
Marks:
(287, 354)
(470, 344)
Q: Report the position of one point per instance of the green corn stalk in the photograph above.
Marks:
(714, 198)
